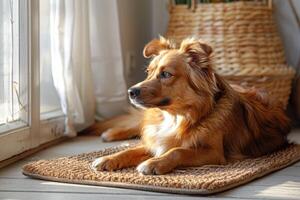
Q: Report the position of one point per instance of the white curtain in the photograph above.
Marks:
(86, 59)
(107, 64)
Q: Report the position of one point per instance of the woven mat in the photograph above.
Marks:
(200, 180)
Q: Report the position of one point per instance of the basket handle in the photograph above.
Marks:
(269, 3)
(194, 4)
(192, 7)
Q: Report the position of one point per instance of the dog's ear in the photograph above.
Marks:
(197, 51)
(201, 74)
(155, 46)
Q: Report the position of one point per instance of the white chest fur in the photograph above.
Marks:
(159, 133)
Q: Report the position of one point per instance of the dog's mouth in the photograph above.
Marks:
(144, 105)
(139, 103)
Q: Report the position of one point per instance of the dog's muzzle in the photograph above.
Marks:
(134, 92)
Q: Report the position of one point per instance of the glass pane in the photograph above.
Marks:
(50, 105)
(13, 78)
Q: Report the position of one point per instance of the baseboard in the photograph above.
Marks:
(31, 151)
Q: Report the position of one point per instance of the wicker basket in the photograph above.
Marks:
(247, 47)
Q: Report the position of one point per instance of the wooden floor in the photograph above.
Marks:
(284, 184)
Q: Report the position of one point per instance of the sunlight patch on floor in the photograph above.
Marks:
(72, 185)
(281, 191)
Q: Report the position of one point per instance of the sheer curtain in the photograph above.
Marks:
(86, 57)
(107, 64)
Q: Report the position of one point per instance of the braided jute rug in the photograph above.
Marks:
(198, 180)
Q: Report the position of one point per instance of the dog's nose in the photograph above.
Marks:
(134, 92)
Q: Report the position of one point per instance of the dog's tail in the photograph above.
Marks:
(275, 117)
(267, 122)
(294, 136)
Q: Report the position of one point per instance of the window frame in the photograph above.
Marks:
(38, 131)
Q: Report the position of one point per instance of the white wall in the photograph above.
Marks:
(140, 22)
(288, 29)
(135, 18)
(160, 17)
(290, 33)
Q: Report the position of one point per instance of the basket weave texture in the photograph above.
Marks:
(247, 47)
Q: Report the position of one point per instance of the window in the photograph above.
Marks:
(29, 106)
(13, 70)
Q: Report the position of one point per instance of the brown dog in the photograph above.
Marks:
(190, 116)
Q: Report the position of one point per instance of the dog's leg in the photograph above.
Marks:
(127, 158)
(120, 133)
(118, 128)
(180, 157)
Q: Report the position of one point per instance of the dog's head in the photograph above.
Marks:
(178, 78)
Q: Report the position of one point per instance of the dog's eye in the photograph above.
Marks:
(164, 74)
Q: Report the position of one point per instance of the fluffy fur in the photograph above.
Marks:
(190, 116)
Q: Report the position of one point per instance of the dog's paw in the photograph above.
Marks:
(153, 167)
(105, 163)
(107, 136)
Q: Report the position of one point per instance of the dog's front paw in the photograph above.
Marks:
(154, 167)
(106, 163)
